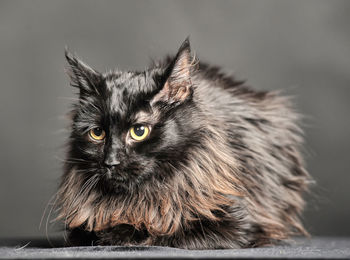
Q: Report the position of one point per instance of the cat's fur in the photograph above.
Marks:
(221, 168)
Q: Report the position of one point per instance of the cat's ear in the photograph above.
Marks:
(82, 75)
(178, 86)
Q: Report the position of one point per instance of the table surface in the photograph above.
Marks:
(317, 247)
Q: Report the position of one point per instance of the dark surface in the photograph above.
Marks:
(320, 247)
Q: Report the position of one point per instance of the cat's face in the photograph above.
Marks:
(129, 125)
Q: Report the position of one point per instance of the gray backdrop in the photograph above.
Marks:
(302, 47)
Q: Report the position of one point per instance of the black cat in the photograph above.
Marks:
(180, 155)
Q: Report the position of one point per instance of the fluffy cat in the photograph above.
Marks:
(180, 155)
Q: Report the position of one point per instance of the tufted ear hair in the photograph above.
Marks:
(178, 86)
(81, 75)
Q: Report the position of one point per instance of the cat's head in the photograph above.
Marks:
(128, 126)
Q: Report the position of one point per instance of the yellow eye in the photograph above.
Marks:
(139, 132)
(97, 134)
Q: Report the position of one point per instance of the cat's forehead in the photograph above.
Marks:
(132, 82)
(127, 91)
(123, 80)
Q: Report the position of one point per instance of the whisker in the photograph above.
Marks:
(72, 160)
(70, 211)
(56, 205)
(52, 204)
(44, 213)
(83, 192)
(69, 98)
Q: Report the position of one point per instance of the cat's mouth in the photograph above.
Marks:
(127, 174)
(118, 177)
(113, 174)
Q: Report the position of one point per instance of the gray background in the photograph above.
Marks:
(302, 47)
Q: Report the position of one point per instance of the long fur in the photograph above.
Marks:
(237, 181)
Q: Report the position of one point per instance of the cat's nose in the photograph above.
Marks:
(113, 152)
(111, 161)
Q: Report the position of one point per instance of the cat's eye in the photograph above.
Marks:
(97, 134)
(139, 132)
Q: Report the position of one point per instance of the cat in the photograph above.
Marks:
(180, 155)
